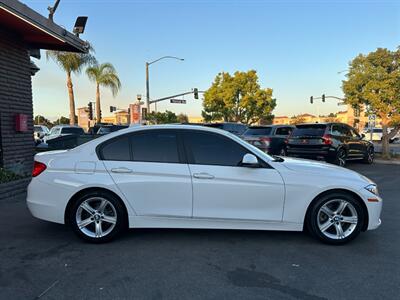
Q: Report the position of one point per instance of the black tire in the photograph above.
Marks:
(114, 209)
(340, 158)
(283, 152)
(369, 156)
(349, 230)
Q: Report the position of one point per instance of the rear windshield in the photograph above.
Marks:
(258, 131)
(72, 130)
(308, 130)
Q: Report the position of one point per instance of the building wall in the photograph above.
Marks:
(15, 97)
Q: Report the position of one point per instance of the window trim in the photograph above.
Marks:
(179, 143)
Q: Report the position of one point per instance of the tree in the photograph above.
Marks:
(373, 80)
(103, 75)
(70, 63)
(238, 98)
(182, 118)
(297, 120)
(40, 120)
(166, 117)
(64, 120)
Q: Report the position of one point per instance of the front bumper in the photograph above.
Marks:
(374, 207)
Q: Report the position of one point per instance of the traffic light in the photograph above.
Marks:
(144, 113)
(323, 97)
(90, 106)
(196, 93)
(311, 99)
(113, 108)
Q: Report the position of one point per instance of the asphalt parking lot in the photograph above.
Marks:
(40, 260)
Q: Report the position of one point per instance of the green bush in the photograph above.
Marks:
(7, 176)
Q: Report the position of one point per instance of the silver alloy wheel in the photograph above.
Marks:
(337, 219)
(341, 156)
(96, 217)
(282, 152)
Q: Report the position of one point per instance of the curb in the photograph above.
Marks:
(387, 162)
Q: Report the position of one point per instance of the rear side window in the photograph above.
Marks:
(212, 149)
(116, 149)
(155, 146)
(258, 131)
(311, 130)
(283, 131)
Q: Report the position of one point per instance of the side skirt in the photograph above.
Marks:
(203, 223)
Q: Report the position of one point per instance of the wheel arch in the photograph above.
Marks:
(84, 191)
(339, 190)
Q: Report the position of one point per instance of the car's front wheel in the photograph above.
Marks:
(97, 217)
(335, 218)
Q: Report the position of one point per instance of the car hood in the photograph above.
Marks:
(322, 168)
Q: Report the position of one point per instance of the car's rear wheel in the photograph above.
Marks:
(283, 152)
(97, 217)
(335, 218)
(341, 156)
(369, 156)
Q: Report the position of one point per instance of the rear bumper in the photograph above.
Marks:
(311, 152)
(46, 201)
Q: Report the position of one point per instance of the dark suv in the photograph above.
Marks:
(270, 139)
(235, 128)
(333, 142)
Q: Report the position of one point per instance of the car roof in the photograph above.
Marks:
(66, 126)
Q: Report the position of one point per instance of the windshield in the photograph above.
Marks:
(258, 131)
(308, 130)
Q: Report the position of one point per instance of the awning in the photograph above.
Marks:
(37, 31)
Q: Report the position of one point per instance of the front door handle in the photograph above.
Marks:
(203, 176)
(121, 170)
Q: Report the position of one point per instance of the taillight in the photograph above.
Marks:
(265, 141)
(327, 139)
(38, 168)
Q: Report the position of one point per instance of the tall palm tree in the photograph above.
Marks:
(71, 63)
(103, 75)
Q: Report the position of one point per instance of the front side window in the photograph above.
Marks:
(212, 149)
(155, 146)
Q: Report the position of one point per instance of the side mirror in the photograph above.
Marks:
(362, 136)
(249, 160)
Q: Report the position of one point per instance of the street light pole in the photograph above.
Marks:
(147, 88)
(147, 78)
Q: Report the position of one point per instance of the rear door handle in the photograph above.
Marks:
(121, 170)
(203, 176)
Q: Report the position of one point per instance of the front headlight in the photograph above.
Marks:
(372, 188)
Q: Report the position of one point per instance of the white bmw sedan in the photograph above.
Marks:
(181, 176)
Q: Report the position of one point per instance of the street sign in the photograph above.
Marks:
(180, 101)
(372, 117)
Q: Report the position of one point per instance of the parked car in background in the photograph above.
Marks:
(270, 139)
(235, 128)
(110, 128)
(180, 176)
(334, 142)
(61, 130)
(377, 134)
(95, 128)
(39, 132)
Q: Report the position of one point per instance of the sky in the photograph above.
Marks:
(298, 48)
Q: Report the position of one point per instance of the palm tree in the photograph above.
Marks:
(71, 63)
(103, 75)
